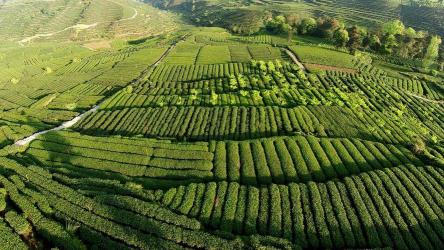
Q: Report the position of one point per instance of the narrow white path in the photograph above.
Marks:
(73, 121)
(295, 59)
(76, 27)
(64, 125)
(424, 98)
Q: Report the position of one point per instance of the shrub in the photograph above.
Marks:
(260, 163)
(310, 224)
(275, 220)
(310, 159)
(18, 223)
(198, 201)
(240, 210)
(286, 161)
(218, 204)
(298, 160)
(333, 224)
(209, 200)
(319, 215)
(252, 212)
(352, 215)
(229, 210)
(364, 215)
(248, 175)
(273, 162)
(188, 199)
(264, 207)
(297, 215)
(233, 163)
(322, 157)
(220, 161)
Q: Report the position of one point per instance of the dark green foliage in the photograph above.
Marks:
(273, 162)
(220, 162)
(233, 162)
(251, 214)
(260, 162)
(248, 175)
(229, 210)
(275, 220)
(264, 208)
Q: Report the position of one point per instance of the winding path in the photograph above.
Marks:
(73, 121)
(77, 27)
(295, 59)
(424, 98)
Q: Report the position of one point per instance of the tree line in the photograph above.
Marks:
(391, 38)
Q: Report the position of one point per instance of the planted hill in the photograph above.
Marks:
(207, 140)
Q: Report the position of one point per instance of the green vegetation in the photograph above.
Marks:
(285, 129)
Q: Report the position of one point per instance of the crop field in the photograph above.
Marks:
(28, 21)
(200, 139)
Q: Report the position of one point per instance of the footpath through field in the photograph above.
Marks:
(73, 121)
(295, 59)
(75, 27)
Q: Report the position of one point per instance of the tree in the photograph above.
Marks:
(292, 21)
(326, 26)
(372, 41)
(355, 40)
(395, 27)
(410, 33)
(307, 26)
(432, 51)
(278, 25)
(340, 37)
(388, 43)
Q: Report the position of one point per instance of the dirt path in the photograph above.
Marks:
(295, 59)
(64, 125)
(73, 121)
(76, 27)
(424, 98)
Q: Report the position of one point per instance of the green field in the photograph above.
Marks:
(190, 137)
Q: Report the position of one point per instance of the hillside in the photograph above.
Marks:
(26, 21)
(145, 131)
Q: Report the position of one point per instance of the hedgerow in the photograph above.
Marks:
(264, 208)
(209, 200)
(287, 165)
(310, 159)
(233, 162)
(275, 226)
(319, 216)
(220, 164)
(240, 216)
(8, 239)
(252, 210)
(18, 223)
(309, 219)
(273, 162)
(332, 223)
(260, 162)
(219, 202)
(248, 174)
(198, 200)
(229, 210)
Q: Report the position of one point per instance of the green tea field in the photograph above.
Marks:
(191, 137)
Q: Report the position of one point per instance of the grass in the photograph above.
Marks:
(324, 56)
(207, 149)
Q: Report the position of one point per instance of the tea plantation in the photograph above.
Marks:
(202, 139)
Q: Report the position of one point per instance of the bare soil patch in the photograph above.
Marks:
(97, 45)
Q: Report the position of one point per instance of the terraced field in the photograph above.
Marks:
(226, 145)
(29, 21)
(205, 140)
